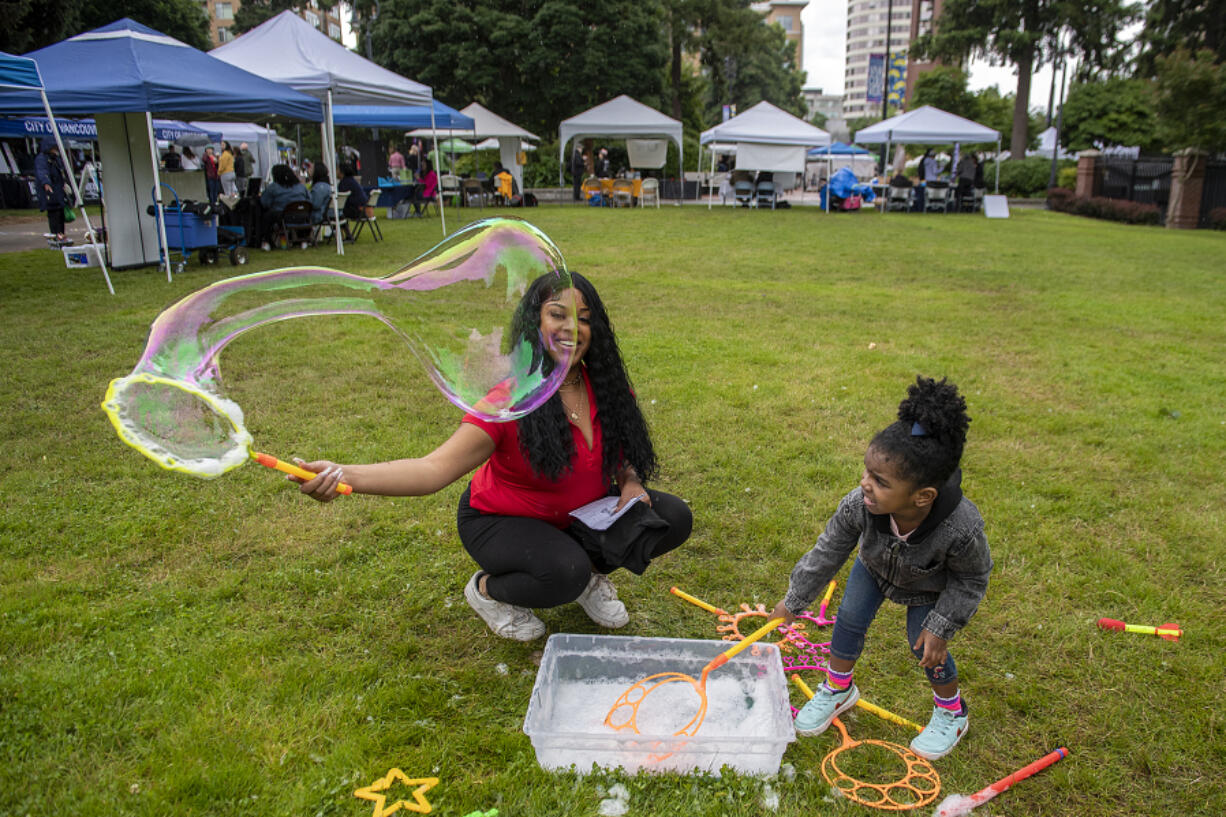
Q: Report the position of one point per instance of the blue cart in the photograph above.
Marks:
(191, 231)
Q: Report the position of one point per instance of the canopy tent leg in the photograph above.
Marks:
(438, 191)
(76, 190)
(998, 164)
(157, 194)
(330, 147)
(710, 198)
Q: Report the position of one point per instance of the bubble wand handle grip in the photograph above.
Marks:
(1171, 632)
(269, 461)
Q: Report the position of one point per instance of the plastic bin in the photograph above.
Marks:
(196, 231)
(748, 724)
(80, 257)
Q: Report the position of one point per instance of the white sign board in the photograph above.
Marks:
(996, 206)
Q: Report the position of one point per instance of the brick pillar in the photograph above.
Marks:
(1085, 173)
(1187, 184)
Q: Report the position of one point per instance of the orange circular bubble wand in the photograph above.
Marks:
(629, 701)
(918, 787)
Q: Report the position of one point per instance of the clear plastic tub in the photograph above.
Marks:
(748, 723)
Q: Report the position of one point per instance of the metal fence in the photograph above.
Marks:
(1214, 193)
(1146, 180)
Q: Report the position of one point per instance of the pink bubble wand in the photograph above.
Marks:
(959, 804)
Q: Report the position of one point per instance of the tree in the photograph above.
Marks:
(533, 64)
(1190, 95)
(1172, 24)
(1113, 111)
(747, 61)
(944, 87)
(1027, 34)
(34, 24)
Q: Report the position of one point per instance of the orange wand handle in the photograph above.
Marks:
(710, 608)
(1026, 771)
(269, 461)
(1171, 632)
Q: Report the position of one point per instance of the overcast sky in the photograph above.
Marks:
(825, 24)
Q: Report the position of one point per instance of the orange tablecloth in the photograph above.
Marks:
(606, 187)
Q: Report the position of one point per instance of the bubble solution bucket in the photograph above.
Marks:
(748, 723)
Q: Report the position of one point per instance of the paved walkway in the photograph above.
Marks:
(27, 233)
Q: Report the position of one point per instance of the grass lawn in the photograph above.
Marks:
(227, 647)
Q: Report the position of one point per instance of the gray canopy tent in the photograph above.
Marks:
(929, 126)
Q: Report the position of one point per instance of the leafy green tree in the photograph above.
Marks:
(1027, 34)
(1190, 95)
(994, 109)
(254, 12)
(1113, 111)
(747, 61)
(1172, 24)
(819, 119)
(531, 63)
(944, 87)
(34, 24)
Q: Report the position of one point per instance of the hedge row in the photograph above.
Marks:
(1064, 200)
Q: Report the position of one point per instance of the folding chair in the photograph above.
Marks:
(471, 191)
(368, 217)
(742, 192)
(591, 187)
(650, 190)
(764, 194)
(936, 198)
(449, 186)
(296, 223)
(623, 193)
(899, 198)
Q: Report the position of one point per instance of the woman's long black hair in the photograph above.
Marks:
(544, 435)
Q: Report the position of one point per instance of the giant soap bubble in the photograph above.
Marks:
(460, 307)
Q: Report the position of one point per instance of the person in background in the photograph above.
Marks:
(577, 168)
(321, 195)
(603, 168)
(929, 172)
(978, 182)
(966, 175)
(395, 164)
(225, 170)
(188, 160)
(212, 179)
(171, 159)
(901, 180)
(429, 188)
(413, 162)
(355, 204)
(284, 189)
(50, 176)
(244, 167)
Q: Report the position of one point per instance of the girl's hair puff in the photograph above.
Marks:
(926, 441)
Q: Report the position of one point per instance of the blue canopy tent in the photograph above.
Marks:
(19, 76)
(165, 130)
(124, 72)
(838, 149)
(406, 117)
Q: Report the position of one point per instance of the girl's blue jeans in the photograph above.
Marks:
(861, 600)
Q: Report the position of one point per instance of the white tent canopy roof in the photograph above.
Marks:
(486, 124)
(289, 50)
(620, 116)
(926, 126)
(768, 125)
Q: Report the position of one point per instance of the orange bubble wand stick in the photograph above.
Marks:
(269, 461)
(957, 805)
(1171, 632)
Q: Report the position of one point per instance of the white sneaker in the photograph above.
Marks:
(599, 601)
(506, 620)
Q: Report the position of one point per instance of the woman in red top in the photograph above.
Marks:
(588, 441)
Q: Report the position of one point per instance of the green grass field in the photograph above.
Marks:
(227, 647)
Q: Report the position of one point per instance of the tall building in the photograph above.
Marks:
(787, 14)
(221, 18)
(923, 18)
(866, 35)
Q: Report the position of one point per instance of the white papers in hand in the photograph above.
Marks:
(599, 515)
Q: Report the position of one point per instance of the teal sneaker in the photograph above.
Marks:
(823, 708)
(941, 734)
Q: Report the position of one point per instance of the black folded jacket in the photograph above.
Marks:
(629, 542)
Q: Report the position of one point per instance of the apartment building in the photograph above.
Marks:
(787, 14)
(221, 18)
(866, 35)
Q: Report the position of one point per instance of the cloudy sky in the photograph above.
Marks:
(825, 24)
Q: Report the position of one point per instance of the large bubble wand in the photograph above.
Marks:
(460, 307)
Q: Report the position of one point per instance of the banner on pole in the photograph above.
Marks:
(897, 79)
(876, 77)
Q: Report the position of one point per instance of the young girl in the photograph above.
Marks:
(921, 544)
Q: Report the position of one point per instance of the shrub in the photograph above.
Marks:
(1217, 218)
(1129, 212)
(1067, 177)
(1060, 199)
(1024, 177)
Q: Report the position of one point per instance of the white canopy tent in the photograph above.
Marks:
(766, 138)
(489, 125)
(929, 126)
(289, 50)
(626, 118)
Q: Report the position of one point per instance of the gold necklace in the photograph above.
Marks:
(574, 412)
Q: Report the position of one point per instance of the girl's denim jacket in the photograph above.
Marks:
(946, 561)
